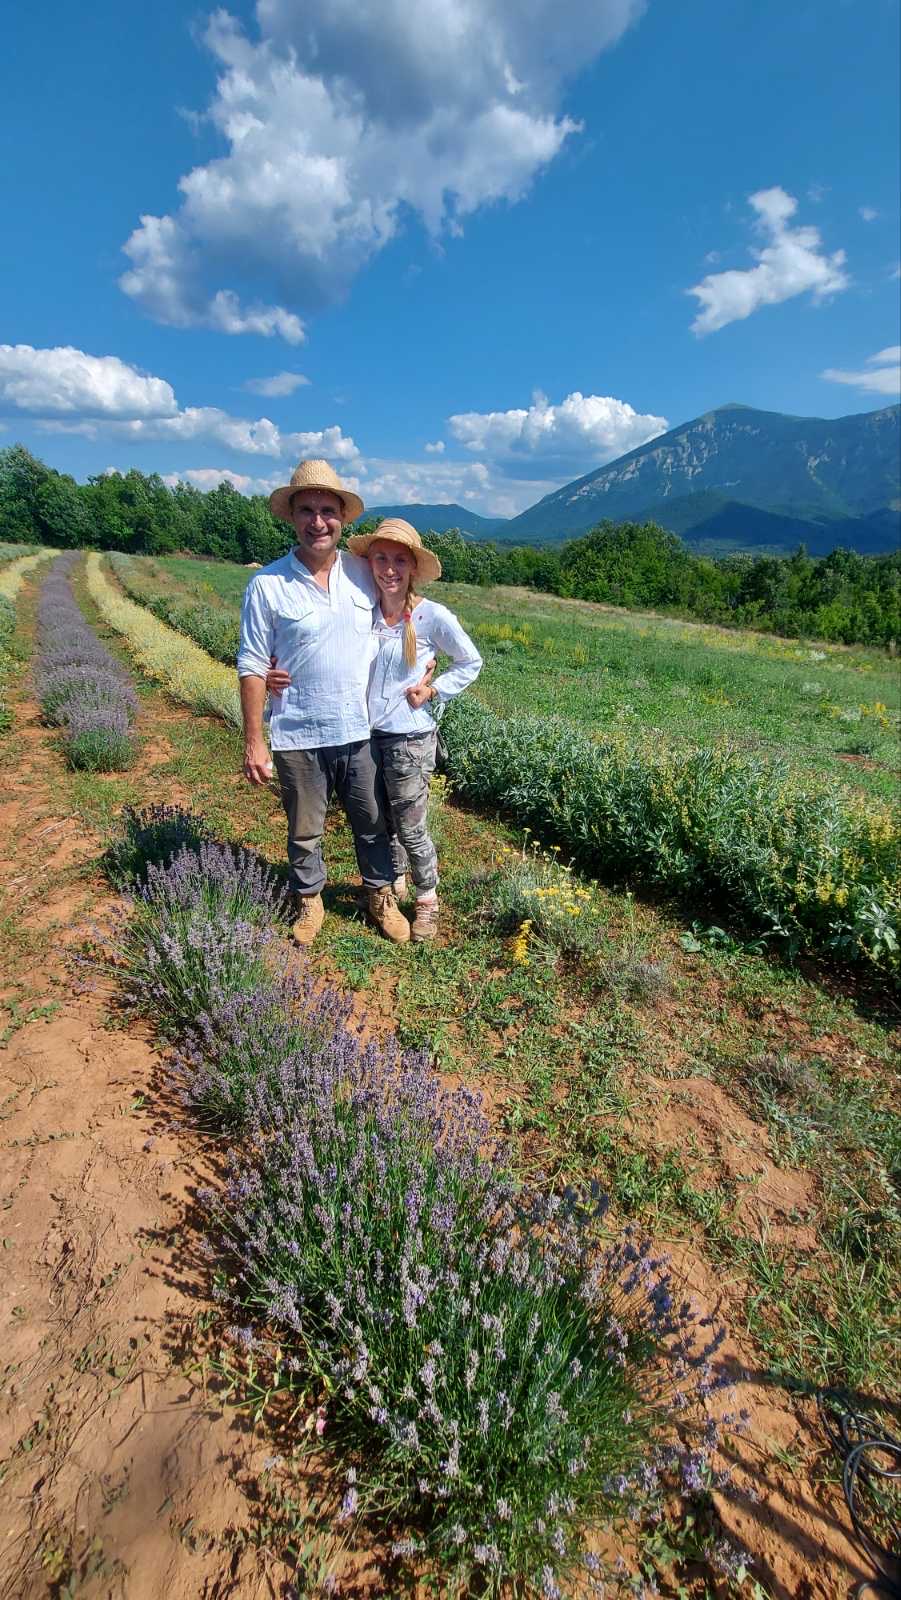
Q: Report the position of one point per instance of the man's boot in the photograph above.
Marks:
(385, 913)
(400, 886)
(425, 922)
(309, 911)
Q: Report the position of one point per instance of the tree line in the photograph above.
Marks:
(845, 597)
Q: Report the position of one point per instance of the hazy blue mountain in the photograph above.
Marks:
(738, 476)
(440, 518)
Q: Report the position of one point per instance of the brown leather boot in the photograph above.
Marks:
(425, 922)
(385, 913)
(309, 910)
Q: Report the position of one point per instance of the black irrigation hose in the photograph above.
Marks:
(859, 1440)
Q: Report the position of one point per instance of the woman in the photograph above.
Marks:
(410, 631)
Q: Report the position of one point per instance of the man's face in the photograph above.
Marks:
(317, 518)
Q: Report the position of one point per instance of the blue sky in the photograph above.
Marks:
(500, 241)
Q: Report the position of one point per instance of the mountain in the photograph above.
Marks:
(440, 518)
(742, 477)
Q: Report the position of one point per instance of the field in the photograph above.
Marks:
(831, 709)
(737, 1106)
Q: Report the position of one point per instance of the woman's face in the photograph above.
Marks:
(392, 567)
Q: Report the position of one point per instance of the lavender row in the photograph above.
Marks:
(82, 689)
(501, 1376)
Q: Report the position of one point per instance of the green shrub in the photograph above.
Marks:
(809, 865)
(100, 750)
(151, 836)
(535, 894)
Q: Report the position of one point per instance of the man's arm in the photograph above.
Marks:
(254, 652)
(257, 760)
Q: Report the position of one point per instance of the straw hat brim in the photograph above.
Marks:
(428, 567)
(280, 500)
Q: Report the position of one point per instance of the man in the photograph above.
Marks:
(312, 610)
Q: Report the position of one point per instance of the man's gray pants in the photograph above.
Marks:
(308, 779)
(406, 763)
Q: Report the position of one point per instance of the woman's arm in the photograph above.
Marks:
(452, 639)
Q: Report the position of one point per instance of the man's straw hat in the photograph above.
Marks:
(315, 475)
(396, 531)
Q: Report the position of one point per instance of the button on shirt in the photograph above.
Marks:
(437, 630)
(323, 639)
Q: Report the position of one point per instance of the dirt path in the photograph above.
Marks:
(110, 1460)
(118, 1479)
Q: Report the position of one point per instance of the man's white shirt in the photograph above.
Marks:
(325, 641)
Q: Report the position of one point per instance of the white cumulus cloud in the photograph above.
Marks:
(62, 381)
(67, 391)
(790, 263)
(337, 120)
(435, 449)
(880, 375)
(868, 213)
(582, 432)
(279, 385)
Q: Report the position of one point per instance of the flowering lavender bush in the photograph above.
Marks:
(198, 933)
(82, 688)
(83, 684)
(152, 834)
(500, 1377)
(239, 1055)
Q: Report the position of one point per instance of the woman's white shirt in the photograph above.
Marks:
(437, 632)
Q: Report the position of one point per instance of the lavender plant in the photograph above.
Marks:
(235, 1057)
(151, 835)
(82, 688)
(500, 1377)
(198, 932)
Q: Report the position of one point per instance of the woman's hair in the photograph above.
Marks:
(410, 604)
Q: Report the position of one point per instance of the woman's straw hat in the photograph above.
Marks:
(315, 475)
(396, 531)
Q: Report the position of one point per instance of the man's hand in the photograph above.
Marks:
(257, 761)
(422, 691)
(277, 679)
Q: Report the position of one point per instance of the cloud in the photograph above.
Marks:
(582, 432)
(211, 477)
(341, 119)
(470, 483)
(67, 391)
(881, 375)
(206, 423)
(436, 449)
(63, 381)
(868, 213)
(791, 263)
(274, 388)
(163, 279)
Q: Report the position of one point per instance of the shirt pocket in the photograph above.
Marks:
(362, 615)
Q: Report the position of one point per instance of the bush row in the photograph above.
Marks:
(183, 668)
(495, 1375)
(213, 628)
(82, 689)
(787, 856)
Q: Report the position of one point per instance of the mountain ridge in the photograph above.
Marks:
(811, 470)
